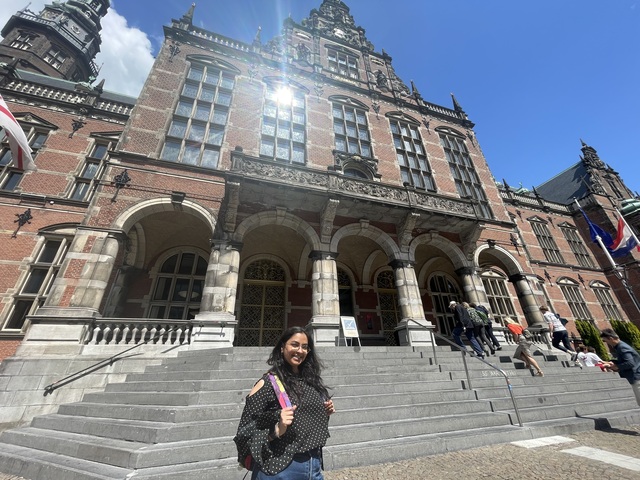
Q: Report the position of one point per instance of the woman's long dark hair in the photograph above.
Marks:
(308, 371)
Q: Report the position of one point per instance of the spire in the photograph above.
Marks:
(188, 17)
(590, 157)
(456, 105)
(257, 41)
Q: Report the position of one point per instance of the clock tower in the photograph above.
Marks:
(61, 41)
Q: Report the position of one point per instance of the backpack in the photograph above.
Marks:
(484, 317)
(247, 460)
(475, 317)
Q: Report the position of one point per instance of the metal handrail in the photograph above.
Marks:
(464, 361)
(102, 363)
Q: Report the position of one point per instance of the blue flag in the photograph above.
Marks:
(596, 231)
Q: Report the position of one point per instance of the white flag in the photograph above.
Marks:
(20, 149)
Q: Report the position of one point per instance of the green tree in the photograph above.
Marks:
(627, 332)
(591, 337)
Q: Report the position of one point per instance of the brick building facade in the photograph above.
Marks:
(252, 187)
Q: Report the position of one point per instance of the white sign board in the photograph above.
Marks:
(349, 328)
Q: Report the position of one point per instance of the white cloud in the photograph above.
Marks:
(125, 54)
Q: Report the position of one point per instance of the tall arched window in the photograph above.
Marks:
(571, 291)
(262, 313)
(443, 290)
(388, 302)
(177, 292)
(500, 301)
(608, 304)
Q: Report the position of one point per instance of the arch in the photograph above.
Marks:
(348, 101)
(447, 246)
(137, 212)
(372, 233)
(508, 260)
(402, 117)
(281, 218)
(214, 62)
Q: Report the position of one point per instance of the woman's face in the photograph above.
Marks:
(295, 350)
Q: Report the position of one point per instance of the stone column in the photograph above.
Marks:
(216, 323)
(527, 300)
(468, 277)
(325, 304)
(414, 328)
(76, 294)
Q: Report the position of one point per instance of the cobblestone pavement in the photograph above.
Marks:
(508, 462)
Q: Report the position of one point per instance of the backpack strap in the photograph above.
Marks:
(283, 398)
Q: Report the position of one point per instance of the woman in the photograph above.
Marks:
(523, 352)
(286, 443)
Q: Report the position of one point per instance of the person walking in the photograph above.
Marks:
(461, 315)
(488, 326)
(479, 320)
(285, 442)
(626, 361)
(559, 333)
(523, 351)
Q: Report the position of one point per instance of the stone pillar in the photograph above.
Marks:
(325, 304)
(413, 328)
(468, 277)
(76, 294)
(527, 300)
(216, 323)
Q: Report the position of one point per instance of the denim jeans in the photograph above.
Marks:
(303, 467)
(474, 341)
(562, 336)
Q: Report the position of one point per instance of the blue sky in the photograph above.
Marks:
(534, 76)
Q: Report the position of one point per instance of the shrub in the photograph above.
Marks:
(591, 337)
(627, 332)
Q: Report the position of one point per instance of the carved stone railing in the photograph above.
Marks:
(220, 39)
(533, 201)
(331, 182)
(122, 332)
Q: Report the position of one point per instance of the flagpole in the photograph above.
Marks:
(616, 269)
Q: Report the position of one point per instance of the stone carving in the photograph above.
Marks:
(382, 82)
(303, 54)
(281, 172)
(443, 204)
(343, 159)
(373, 190)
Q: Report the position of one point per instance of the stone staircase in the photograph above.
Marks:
(176, 420)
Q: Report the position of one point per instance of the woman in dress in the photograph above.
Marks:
(523, 352)
(286, 443)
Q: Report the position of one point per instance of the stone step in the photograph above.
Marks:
(138, 430)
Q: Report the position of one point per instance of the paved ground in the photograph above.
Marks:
(511, 462)
(582, 456)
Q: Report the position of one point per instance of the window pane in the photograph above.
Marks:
(20, 310)
(267, 147)
(181, 291)
(269, 128)
(171, 151)
(215, 136)
(12, 181)
(169, 266)
(208, 94)
(186, 263)
(178, 128)
(162, 289)
(298, 154)
(195, 73)
(210, 158)
(35, 280)
(283, 150)
(212, 77)
(219, 116)
(224, 99)
(80, 191)
(202, 112)
(184, 108)
(38, 140)
(191, 154)
(49, 251)
(196, 133)
(190, 90)
(90, 170)
(298, 134)
(227, 82)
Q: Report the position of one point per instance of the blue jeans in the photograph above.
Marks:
(303, 467)
(562, 336)
(474, 342)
